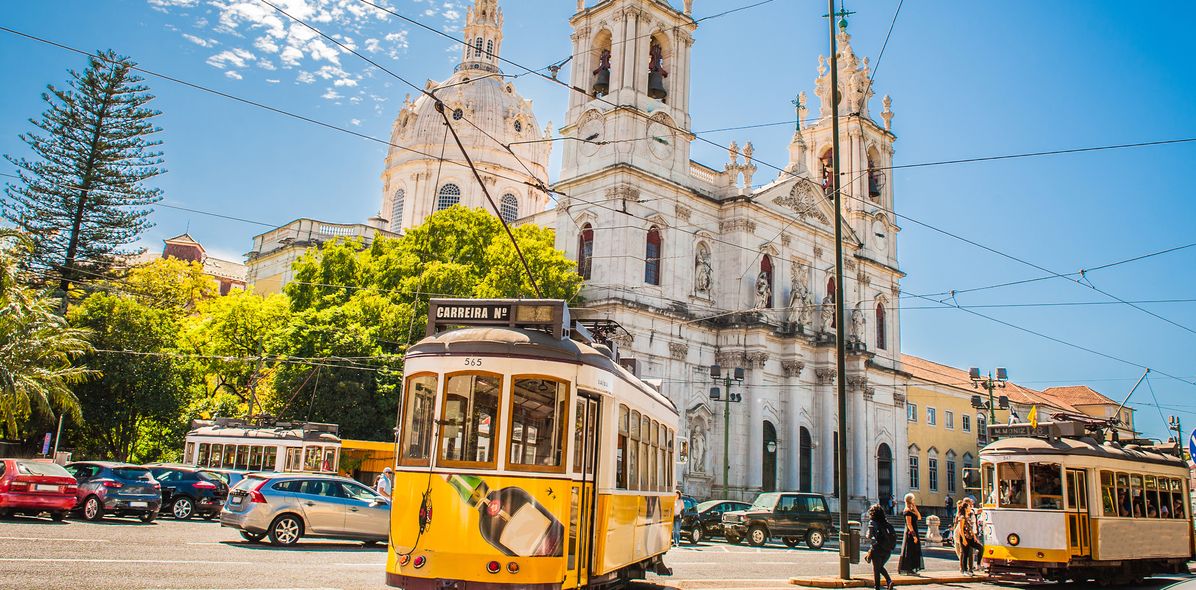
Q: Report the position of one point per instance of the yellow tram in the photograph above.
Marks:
(1059, 505)
(527, 457)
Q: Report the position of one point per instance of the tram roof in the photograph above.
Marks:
(1081, 446)
(517, 342)
(266, 434)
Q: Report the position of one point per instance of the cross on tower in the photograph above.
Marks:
(842, 13)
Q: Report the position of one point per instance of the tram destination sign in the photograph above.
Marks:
(1043, 430)
(515, 313)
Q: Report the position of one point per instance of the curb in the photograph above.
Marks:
(898, 580)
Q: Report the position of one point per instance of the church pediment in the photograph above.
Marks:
(807, 201)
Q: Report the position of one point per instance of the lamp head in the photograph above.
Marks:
(716, 371)
(974, 374)
(1002, 374)
(715, 394)
(739, 373)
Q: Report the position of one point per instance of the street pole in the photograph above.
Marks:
(840, 296)
(726, 432)
(992, 407)
(57, 435)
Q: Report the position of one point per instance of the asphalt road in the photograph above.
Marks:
(38, 554)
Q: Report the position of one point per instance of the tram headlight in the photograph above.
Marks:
(419, 561)
(513, 567)
(1013, 539)
(494, 567)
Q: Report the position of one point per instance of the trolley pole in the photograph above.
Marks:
(841, 295)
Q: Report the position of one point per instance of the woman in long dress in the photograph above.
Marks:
(911, 548)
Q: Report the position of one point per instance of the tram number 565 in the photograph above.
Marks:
(473, 362)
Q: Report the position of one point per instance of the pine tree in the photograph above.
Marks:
(82, 198)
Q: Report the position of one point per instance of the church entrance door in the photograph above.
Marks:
(769, 464)
(884, 475)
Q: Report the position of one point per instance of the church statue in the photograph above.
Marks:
(703, 272)
(763, 291)
(697, 449)
(857, 324)
(733, 153)
(828, 313)
(799, 294)
(806, 316)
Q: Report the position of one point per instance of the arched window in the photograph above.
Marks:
(766, 271)
(652, 257)
(490, 47)
(585, 251)
(509, 208)
(831, 297)
(914, 472)
(450, 194)
(880, 326)
(805, 467)
(396, 210)
(477, 47)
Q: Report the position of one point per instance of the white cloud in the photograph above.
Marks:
(234, 75)
(291, 56)
(200, 41)
(272, 80)
(355, 122)
(237, 57)
(165, 5)
(331, 95)
(266, 44)
(306, 77)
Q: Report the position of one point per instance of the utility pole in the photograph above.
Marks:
(716, 374)
(990, 385)
(841, 296)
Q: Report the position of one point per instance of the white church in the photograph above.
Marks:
(701, 265)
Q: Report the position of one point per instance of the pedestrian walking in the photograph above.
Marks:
(883, 540)
(911, 549)
(975, 515)
(964, 536)
(678, 508)
(384, 485)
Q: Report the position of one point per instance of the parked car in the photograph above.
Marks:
(791, 516)
(231, 477)
(117, 488)
(189, 491)
(706, 520)
(33, 487)
(288, 507)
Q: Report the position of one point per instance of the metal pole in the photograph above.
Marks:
(726, 433)
(57, 435)
(992, 406)
(840, 297)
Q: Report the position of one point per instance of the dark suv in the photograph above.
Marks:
(117, 488)
(187, 491)
(792, 516)
(707, 519)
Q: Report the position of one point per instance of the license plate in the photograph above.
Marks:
(237, 500)
(41, 487)
(139, 504)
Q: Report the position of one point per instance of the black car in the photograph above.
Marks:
(115, 488)
(706, 519)
(791, 516)
(188, 491)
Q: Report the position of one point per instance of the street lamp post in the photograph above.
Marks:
(990, 384)
(736, 376)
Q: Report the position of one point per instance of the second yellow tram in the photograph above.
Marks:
(527, 457)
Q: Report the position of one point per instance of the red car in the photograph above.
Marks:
(33, 487)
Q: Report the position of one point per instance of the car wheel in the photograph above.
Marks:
(58, 515)
(695, 536)
(733, 539)
(791, 542)
(286, 530)
(147, 517)
(93, 510)
(757, 536)
(182, 508)
(815, 539)
(253, 537)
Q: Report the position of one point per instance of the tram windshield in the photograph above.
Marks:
(537, 434)
(1011, 484)
(1047, 486)
(470, 419)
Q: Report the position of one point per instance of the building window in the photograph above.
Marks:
(831, 297)
(490, 47)
(950, 473)
(450, 194)
(477, 47)
(914, 480)
(880, 326)
(766, 274)
(949, 416)
(396, 209)
(932, 473)
(966, 422)
(509, 208)
(911, 412)
(981, 429)
(652, 257)
(931, 416)
(585, 251)
(518, 126)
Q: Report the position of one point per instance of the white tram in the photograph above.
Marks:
(229, 443)
(1059, 505)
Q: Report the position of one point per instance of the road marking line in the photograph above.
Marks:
(54, 539)
(153, 561)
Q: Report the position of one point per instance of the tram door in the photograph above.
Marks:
(580, 551)
(1079, 537)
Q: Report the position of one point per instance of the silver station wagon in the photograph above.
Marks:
(288, 507)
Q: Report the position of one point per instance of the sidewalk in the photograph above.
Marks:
(865, 581)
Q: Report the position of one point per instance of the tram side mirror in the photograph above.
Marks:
(683, 453)
(971, 478)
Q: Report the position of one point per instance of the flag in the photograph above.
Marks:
(1033, 417)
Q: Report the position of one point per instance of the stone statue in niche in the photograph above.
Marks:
(828, 313)
(763, 291)
(697, 447)
(799, 294)
(703, 272)
(857, 323)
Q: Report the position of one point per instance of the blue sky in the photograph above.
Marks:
(967, 79)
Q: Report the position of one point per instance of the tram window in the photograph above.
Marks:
(654, 454)
(645, 452)
(188, 452)
(311, 458)
(270, 459)
(255, 458)
(1123, 495)
(671, 449)
(470, 419)
(988, 484)
(294, 459)
(202, 458)
(417, 420)
(1178, 495)
(1164, 498)
(663, 436)
(1136, 496)
(243, 456)
(633, 453)
(1108, 493)
(538, 409)
(1047, 486)
(1150, 491)
(621, 454)
(1011, 478)
(579, 424)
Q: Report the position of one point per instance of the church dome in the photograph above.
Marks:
(487, 114)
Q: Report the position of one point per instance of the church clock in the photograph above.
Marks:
(660, 140)
(592, 133)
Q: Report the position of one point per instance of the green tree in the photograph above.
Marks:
(37, 349)
(82, 198)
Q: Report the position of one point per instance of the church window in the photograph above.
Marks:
(477, 47)
(880, 326)
(830, 296)
(652, 257)
(396, 209)
(509, 208)
(518, 126)
(585, 251)
(490, 47)
(458, 114)
(766, 274)
(450, 194)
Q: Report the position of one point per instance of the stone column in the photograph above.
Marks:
(860, 451)
(755, 441)
(825, 432)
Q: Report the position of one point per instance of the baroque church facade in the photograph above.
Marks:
(700, 265)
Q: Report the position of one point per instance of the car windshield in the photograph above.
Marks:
(34, 468)
(708, 504)
(135, 473)
(210, 476)
(765, 501)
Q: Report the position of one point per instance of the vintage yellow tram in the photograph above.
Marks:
(527, 457)
(1060, 505)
